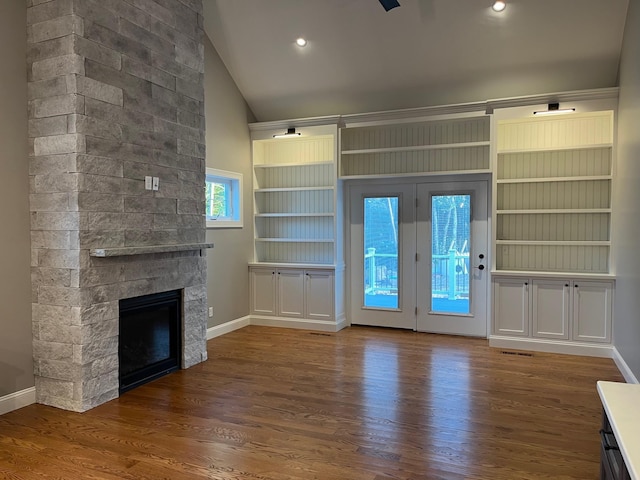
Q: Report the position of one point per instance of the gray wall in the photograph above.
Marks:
(16, 366)
(626, 207)
(228, 148)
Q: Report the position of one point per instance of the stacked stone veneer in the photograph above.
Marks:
(115, 94)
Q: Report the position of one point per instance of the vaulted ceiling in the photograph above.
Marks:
(360, 58)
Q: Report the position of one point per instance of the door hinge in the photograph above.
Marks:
(417, 257)
(416, 311)
(417, 202)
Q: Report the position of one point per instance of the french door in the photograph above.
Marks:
(418, 254)
(452, 278)
(382, 239)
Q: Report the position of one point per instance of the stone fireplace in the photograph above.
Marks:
(115, 95)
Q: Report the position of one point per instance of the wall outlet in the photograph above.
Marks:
(148, 183)
(210, 312)
(156, 183)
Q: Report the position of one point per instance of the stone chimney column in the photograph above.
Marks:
(115, 94)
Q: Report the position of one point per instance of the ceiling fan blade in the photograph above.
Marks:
(389, 4)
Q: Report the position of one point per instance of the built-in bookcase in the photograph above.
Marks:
(553, 180)
(440, 146)
(295, 200)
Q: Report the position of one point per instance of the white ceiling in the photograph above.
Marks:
(425, 52)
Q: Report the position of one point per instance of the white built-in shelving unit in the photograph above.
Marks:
(553, 178)
(294, 195)
(552, 196)
(296, 277)
(451, 145)
(416, 148)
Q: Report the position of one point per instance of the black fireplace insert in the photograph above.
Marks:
(149, 344)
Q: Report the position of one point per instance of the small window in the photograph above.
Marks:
(223, 193)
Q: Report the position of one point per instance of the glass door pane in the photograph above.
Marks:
(381, 247)
(450, 245)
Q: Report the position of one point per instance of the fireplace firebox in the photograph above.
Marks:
(149, 342)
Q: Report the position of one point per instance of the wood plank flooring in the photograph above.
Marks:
(361, 404)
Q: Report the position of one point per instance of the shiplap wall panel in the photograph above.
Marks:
(390, 163)
(312, 201)
(554, 227)
(415, 134)
(298, 176)
(296, 150)
(562, 163)
(570, 258)
(576, 130)
(554, 195)
(295, 227)
(314, 253)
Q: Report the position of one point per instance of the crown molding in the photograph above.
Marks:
(559, 97)
(409, 114)
(295, 123)
(414, 113)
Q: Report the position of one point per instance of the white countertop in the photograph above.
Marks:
(621, 402)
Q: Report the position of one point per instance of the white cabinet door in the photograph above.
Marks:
(511, 306)
(550, 308)
(319, 294)
(592, 307)
(291, 292)
(263, 291)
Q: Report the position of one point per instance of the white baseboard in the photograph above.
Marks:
(623, 367)
(552, 346)
(228, 327)
(300, 323)
(342, 323)
(17, 400)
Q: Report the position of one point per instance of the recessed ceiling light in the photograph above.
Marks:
(301, 42)
(499, 6)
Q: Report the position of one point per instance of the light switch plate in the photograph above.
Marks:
(148, 183)
(156, 183)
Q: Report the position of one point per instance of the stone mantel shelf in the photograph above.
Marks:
(122, 251)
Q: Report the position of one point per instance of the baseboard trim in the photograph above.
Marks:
(623, 367)
(228, 327)
(552, 346)
(299, 323)
(342, 323)
(17, 400)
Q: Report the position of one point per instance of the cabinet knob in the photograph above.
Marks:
(566, 284)
(526, 283)
(576, 286)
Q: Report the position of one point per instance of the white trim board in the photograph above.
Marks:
(552, 346)
(300, 323)
(228, 327)
(623, 367)
(17, 400)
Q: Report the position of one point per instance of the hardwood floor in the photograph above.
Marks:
(361, 404)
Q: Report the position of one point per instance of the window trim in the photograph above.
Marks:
(234, 179)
